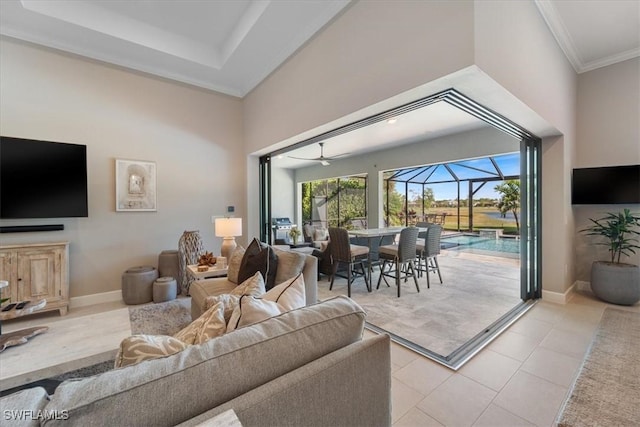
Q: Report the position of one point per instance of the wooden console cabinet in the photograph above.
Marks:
(37, 271)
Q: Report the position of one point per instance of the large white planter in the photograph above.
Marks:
(616, 283)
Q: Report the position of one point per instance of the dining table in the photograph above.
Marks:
(373, 235)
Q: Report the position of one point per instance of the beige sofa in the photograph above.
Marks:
(201, 289)
(307, 367)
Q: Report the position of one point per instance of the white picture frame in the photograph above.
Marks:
(136, 186)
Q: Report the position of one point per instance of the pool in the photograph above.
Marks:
(509, 248)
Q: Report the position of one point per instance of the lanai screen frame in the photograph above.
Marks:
(412, 173)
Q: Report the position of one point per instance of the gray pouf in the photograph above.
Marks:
(137, 284)
(165, 289)
(169, 265)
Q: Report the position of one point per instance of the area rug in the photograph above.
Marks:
(165, 318)
(476, 292)
(607, 389)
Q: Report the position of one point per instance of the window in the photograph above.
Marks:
(336, 202)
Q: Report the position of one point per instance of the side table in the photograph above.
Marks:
(211, 272)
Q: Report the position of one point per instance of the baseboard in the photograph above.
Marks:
(557, 297)
(583, 286)
(93, 299)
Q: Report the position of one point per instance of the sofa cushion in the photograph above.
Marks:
(285, 297)
(290, 264)
(233, 264)
(259, 257)
(140, 392)
(210, 325)
(31, 399)
(138, 348)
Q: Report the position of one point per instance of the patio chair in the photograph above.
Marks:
(428, 250)
(422, 235)
(400, 256)
(344, 253)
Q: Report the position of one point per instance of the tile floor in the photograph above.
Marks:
(520, 379)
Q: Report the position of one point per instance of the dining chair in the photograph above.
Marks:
(344, 253)
(420, 244)
(428, 251)
(400, 259)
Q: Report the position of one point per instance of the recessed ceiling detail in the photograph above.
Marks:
(225, 45)
(230, 46)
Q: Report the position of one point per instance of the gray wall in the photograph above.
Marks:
(608, 135)
(194, 136)
(501, 54)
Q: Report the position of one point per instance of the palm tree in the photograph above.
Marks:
(509, 199)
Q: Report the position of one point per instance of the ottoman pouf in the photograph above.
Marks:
(165, 289)
(137, 284)
(169, 265)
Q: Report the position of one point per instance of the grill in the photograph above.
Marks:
(281, 227)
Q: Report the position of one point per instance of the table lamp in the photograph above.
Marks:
(228, 229)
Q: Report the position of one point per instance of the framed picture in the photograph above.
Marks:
(135, 186)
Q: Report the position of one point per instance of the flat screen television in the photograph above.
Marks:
(606, 185)
(42, 179)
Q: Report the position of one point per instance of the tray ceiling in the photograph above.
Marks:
(230, 46)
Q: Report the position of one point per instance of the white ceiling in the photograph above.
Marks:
(594, 33)
(230, 46)
(433, 121)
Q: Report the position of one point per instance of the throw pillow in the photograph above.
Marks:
(253, 286)
(210, 325)
(285, 297)
(320, 234)
(259, 257)
(252, 310)
(229, 303)
(138, 348)
(233, 264)
(290, 264)
(308, 231)
(289, 294)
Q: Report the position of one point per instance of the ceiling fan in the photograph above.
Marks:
(322, 159)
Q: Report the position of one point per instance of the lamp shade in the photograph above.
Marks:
(228, 227)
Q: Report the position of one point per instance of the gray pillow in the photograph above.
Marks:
(233, 264)
(290, 264)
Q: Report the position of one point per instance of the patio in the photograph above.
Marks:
(477, 290)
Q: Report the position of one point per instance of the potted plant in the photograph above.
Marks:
(294, 233)
(614, 281)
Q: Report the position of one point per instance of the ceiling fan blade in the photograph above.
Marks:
(305, 158)
(337, 156)
(322, 159)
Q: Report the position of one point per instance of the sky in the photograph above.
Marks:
(509, 165)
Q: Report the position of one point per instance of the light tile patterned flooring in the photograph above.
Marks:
(521, 379)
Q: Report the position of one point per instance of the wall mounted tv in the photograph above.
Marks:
(42, 179)
(606, 185)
